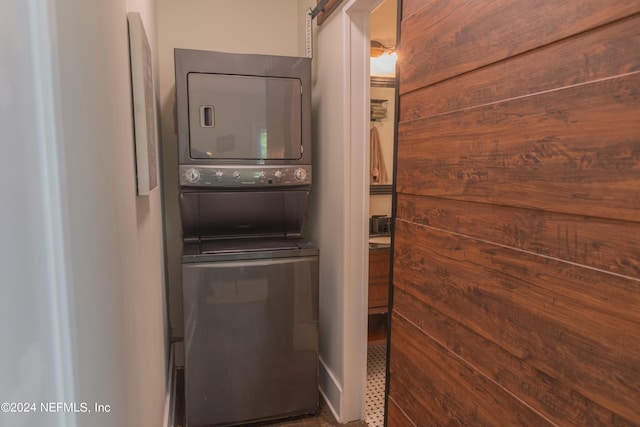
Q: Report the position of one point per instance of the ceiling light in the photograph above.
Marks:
(383, 60)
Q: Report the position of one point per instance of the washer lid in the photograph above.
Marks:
(197, 251)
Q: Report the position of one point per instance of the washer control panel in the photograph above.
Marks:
(244, 176)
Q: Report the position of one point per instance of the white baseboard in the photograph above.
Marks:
(330, 389)
(170, 397)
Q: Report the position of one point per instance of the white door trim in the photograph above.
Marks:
(356, 15)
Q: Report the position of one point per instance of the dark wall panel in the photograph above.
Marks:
(400, 418)
(575, 150)
(455, 392)
(447, 38)
(551, 398)
(585, 57)
(603, 244)
(516, 274)
(569, 323)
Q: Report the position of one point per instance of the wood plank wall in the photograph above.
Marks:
(516, 276)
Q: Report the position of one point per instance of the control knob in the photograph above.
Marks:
(300, 174)
(219, 174)
(236, 175)
(192, 175)
(278, 174)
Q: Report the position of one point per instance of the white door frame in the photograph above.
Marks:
(357, 15)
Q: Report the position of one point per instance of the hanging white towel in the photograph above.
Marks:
(378, 168)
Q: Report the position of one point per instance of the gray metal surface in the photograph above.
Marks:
(242, 213)
(214, 250)
(251, 340)
(234, 176)
(248, 117)
(284, 122)
(250, 283)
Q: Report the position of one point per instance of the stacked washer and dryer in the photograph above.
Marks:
(249, 278)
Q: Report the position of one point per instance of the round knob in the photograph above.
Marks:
(300, 174)
(278, 174)
(192, 175)
(236, 175)
(219, 174)
(261, 175)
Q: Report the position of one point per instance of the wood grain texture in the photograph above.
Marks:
(586, 57)
(396, 417)
(516, 256)
(451, 392)
(575, 150)
(409, 7)
(546, 395)
(447, 38)
(575, 325)
(379, 266)
(599, 243)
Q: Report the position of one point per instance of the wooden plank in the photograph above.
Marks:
(433, 382)
(376, 328)
(397, 418)
(516, 253)
(575, 150)
(379, 266)
(450, 37)
(576, 325)
(415, 407)
(599, 243)
(409, 7)
(553, 399)
(608, 51)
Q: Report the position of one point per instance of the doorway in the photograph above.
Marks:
(382, 95)
(341, 204)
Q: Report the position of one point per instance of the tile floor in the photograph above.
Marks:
(376, 373)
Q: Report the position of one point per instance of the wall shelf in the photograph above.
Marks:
(379, 109)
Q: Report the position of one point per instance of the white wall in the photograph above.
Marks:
(30, 281)
(340, 206)
(274, 27)
(327, 225)
(83, 261)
